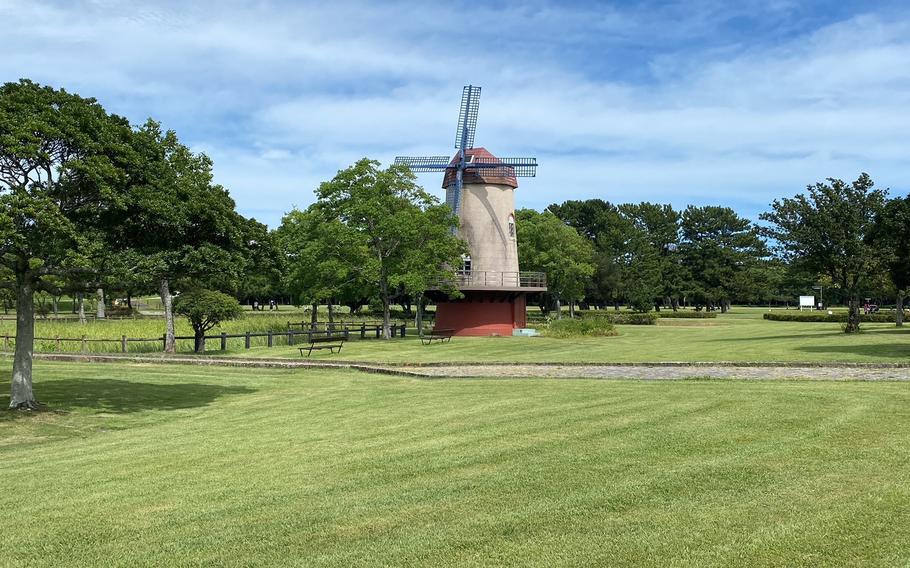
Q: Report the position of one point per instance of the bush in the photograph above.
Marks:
(623, 318)
(584, 327)
(687, 314)
(827, 318)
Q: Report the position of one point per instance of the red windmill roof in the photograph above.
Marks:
(497, 176)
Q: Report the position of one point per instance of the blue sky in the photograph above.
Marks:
(698, 101)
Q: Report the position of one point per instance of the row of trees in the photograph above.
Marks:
(849, 238)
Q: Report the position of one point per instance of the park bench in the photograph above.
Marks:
(330, 343)
(440, 335)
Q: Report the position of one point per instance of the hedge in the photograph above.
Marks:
(622, 318)
(827, 318)
(585, 327)
(688, 314)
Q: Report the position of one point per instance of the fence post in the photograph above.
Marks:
(57, 342)
(363, 331)
(164, 342)
(290, 338)
(5, 342)
(84, 346)
(223, 341)
(123, 343)
(270, 338)
(247, 340)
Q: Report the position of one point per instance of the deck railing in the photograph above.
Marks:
(494, 279)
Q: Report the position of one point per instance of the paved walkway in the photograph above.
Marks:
(643, 371)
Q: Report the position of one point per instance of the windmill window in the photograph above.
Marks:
(511, 226)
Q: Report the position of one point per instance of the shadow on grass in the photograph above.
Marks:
(122, 396)
(895, 350)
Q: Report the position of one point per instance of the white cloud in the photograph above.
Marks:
(644, 103)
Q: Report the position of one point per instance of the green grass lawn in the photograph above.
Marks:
(739, 336)
(165, 466)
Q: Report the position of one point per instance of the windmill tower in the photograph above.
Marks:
(480, 188)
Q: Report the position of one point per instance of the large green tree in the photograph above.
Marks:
(829, 230)
(547, 244)
(62, 174)
(183, 228)
(399, 235)
(893, 235)
(718, 247)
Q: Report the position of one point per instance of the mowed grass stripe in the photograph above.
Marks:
(326, 468)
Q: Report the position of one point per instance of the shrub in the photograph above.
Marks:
(205, 309)
(827, 318)
(623, 318)
(687, 314)
(584, 327)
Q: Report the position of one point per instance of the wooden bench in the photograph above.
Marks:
(440, 335)
(330, 343)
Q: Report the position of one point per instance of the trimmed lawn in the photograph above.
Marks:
(143, 465)
(739, 336)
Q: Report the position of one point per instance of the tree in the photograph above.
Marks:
(398, 234)
(206, 309)
(321, 256)
(546, 244)
(183, 229)
(829, 230)
(600, 222)
(892, 232)
(62, 174)
(717, 247)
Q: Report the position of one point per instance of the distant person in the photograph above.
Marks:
(255, 305)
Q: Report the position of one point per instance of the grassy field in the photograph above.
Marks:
(737, 336)
(177, 466)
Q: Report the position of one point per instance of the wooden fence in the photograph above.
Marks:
(289, 337)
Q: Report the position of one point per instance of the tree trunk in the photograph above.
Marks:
(899, 312)
(164, 290)
(81, 301)
(331, 312)
(572, 309)
(54, 303)
(21, 395)
(386, 317)
(99, 309)
(558, 309)
(129, 301)
(723, 306)
(418, 319)
(852, 316)
(199, 341)
(314, 318)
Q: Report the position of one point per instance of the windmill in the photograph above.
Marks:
(463, 162)
(480, 189)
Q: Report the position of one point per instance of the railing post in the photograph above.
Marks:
(290, 338)
(270, 339)
(84, 346)
(57, 342)
(164, 342)
(123, 343)
(363, 331)
(246, 342)
(223, 341)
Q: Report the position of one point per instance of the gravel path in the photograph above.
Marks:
(644, 371)
(661, 372)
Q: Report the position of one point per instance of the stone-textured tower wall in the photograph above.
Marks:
(488, 225)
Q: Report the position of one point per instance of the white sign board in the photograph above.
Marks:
(807, 302)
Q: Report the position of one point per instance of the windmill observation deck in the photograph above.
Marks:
(492, 280)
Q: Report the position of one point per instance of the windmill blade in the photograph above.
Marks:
(424, 163)
(467, 117)
(518, 167)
